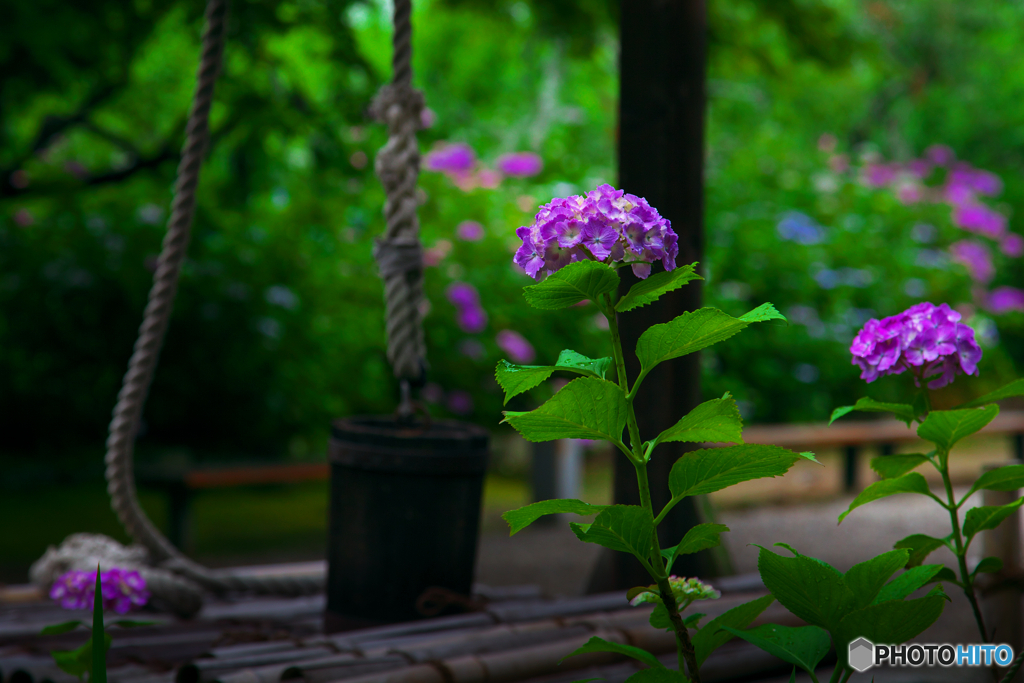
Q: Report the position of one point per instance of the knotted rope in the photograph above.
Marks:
(398, 253)
(128, 412)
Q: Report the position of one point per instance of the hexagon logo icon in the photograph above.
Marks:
(862, 655)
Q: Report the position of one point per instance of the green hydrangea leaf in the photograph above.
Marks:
(907, 582)
(1006, 478)
(945, 427)
(713, 634)
(893, 466)
(715, 420)
(699, 537)
(692, 332)
(912, 482)
(920, 547)
(988, 565)
(63, 627)
(523, 517)
(659, 675)
(515, 379)
(585, 408)
(811, 590)
(650, 290)
(896, 621)
(625, 528)
(596, 644)
(692, 620)
(902, 411)
(762, 313)
(1014, 388)
(803, 646)
(866, 579)
(712, 469)
(572, 284)
(988, 517)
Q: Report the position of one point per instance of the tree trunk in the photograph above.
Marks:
(661, 157)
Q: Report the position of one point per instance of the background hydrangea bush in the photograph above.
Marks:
(278, 325)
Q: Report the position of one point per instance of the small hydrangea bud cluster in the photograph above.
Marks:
(606, 225)
(122, 590)
(685, 590)
(926, 339)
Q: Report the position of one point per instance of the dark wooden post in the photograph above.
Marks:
(661, 157)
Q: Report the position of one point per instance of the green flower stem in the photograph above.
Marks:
(635, 445)
(839, 671)
(99, 641)
(656, 563)
(961, 551)
(846, 676)
(684, 646)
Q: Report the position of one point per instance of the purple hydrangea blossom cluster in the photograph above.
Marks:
(471, 316)
(605, 225)
(925, 339)
(122, 590)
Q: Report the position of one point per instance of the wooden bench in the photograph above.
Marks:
(854, 435)
(179, 483)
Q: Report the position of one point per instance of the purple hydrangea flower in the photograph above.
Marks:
(925, 339)
(471, 316)
(940, 155)
(516, 346)
(980, 219)
(460, 402)
(520, 164)
(470, 231)
(463, 294)
(880, 175)
(1005, 299)
(976, 257)
(457, 158)
(122, 590)
(605, 225)
(1012, 245)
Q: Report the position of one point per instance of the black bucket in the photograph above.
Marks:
(404, 516)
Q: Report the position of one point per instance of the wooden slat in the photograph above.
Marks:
(860, 433)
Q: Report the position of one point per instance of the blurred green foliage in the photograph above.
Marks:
(278, 324)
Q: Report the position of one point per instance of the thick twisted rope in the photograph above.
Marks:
(132, 397)
(398, 253)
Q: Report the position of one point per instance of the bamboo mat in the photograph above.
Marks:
(517, 636)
